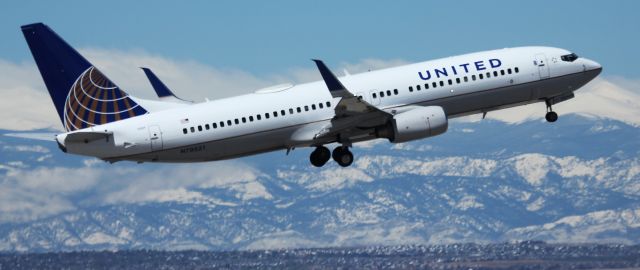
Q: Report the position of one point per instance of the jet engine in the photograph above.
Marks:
(417, 123)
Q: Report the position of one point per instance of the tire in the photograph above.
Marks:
(320, 156)
(342, 156)
(551, 117)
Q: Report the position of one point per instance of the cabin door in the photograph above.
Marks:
(155, 137)
(543, 66)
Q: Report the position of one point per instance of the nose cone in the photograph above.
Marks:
(590, 65)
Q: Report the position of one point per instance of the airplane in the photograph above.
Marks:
(400, 104)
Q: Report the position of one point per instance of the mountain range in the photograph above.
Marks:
(573, 181)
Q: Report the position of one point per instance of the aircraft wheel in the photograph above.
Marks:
(551, 117)
(342, 156)
(320, 156)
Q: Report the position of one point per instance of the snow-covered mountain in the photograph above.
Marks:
(510, 177)
(577, 180)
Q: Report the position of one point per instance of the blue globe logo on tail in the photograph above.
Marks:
(94, 100)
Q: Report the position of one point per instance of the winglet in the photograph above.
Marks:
(335, 86)
(161, 90)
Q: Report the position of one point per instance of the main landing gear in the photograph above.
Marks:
(340, 155)
(320, 156)
(551, 116)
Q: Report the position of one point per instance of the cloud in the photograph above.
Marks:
(168, 180)
(613, 98)
(28, 194)
(26, 103)
(26, 148)
(33, 193)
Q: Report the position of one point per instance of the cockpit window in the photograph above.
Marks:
(569, 57)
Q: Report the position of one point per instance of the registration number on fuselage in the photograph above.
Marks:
(192, 149)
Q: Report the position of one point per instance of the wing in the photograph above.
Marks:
(354, 115)
(160, 88)
(349, 105)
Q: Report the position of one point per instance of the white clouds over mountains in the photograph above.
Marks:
(26, 105)
(29, 194)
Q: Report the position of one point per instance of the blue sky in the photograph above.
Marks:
(269, 37)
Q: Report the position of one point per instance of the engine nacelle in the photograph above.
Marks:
(418, 123)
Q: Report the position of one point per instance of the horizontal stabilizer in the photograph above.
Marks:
(34, 136)
(161, 89)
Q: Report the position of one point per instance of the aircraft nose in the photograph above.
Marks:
(591, 65)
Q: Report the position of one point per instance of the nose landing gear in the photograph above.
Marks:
(551, 116)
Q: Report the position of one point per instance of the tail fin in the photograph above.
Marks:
(83, 96)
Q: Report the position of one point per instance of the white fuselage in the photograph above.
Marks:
(524, 75)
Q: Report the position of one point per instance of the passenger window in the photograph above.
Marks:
(193, 129)
(259, 117)
(502, 72)
(328, 104)
(214, 125)
(517, 70)
(480, 76)
(473, 77)
(488, 75)
(434, 84)
(275, 114)
(306, 108)
(375, 96)
(237, 121)
(266, 115)
(251, 118)
(299, 110)
(199, 128)
(381, 94)
(395, 91)
(426, 86)
(184, 130)
(466, 79)
(389, 93)
(441, 83)
(244, 120)
(228, 122)
(495, 74)
(418, 87)
(321, 105)
(457, 80)
(290, 110)
(206, 126)
(313, 107)
(283, 112)
(221, 124)
(509, 71)
(450, 82)
(410, 88)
